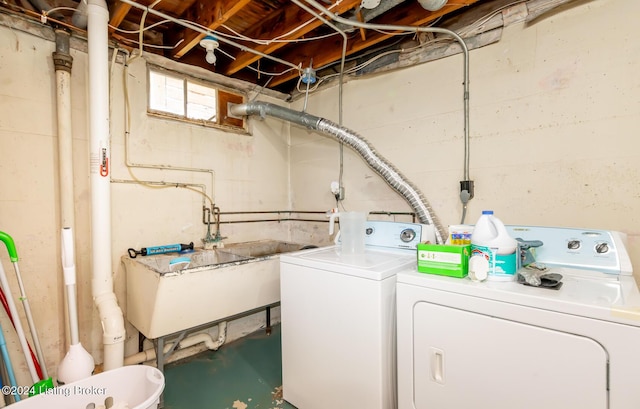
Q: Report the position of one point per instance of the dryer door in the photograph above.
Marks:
(468, 360)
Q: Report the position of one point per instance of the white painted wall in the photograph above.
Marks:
(251, 173)
(29, 210)
(555, 108)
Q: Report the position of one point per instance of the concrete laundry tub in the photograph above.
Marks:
(165, 298)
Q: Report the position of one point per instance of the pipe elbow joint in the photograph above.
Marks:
(111, 318)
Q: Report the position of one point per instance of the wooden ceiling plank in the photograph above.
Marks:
(119, 13)
(328, 51)
(210, 14)
(290, 17)
(363, 34)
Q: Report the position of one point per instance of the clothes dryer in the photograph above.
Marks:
(505, 345)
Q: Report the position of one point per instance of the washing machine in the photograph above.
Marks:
(338, 319)
(465, 344)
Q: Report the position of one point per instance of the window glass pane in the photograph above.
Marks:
(201, 102)
(166, 93)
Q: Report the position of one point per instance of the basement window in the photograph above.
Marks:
(177, 96)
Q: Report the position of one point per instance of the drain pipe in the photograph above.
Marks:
(380, 165)
(100, 162)
(150, 354)
(63, 62)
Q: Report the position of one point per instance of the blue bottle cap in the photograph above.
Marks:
(487, 212)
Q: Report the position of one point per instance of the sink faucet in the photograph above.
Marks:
(210, 241)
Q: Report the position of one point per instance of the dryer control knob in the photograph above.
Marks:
(602, 248)
(573, 244)
(407, 235)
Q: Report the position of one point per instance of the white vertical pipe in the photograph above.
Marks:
(100, 157)
(65, 147)
(63, 64)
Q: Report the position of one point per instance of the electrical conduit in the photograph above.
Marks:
(391, 27)
(464, 194)
(102, 282)
(380, 165)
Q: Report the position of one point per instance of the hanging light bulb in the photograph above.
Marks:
(210, 43)
(211, 57)
(432, 5)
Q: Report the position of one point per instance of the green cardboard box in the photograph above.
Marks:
(444, 259)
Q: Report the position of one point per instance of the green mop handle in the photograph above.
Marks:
(11, 246)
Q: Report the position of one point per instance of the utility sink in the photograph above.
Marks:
(261, 248)
(173, 262)
(169, 293)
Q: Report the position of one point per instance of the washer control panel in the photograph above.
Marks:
(599, 250)
(397, 235)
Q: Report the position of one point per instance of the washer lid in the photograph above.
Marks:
(374, 264)
(585, 293)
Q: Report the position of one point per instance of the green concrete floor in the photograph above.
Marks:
(244, 374)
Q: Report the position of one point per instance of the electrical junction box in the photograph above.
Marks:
(444, 259)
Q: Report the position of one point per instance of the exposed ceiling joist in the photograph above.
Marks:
(212, 14)
(280, 24)
(327, 51)
(256, 26)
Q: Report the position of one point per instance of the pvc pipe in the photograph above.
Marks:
(113, 330)
(206, 338)
(100, 162)
(63, 62)
(150, 354)
(16, 320)
(144, 356)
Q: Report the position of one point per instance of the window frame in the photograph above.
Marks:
(227, 124)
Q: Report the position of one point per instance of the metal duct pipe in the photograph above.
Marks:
(380, 165)
(40, 5)
(80, 18)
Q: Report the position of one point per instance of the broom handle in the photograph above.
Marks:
(3, 300)
(32, 325)
(16, 320)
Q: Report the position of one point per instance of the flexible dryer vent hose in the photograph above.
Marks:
(380, 165)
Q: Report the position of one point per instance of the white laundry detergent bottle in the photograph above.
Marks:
(493, 250)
